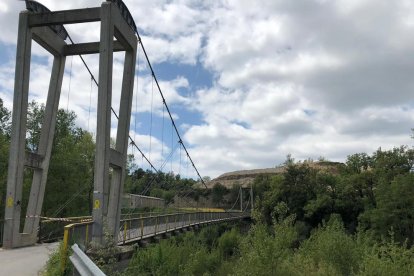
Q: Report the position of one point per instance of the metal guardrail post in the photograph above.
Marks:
(125, 231)
(87, 234)
(82, 263)
(142, 227)
(129, 232)
(64, 250)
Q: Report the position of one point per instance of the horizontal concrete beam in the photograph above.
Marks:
(33, 160)
(49, 40)
(65, 17)
(88, 48)
(116, 158)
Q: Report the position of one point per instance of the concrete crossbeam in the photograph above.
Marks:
(88, 48)
(65, 17)
(116, 158)
(33, 160)
(49, 40)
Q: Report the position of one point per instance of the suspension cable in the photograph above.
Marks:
(159, 170)
(152, 102)
(179, 168)
(136, 100)
(172, 139)
(162, 132)
(166, 106)
(237, 199)
(113, 111)
(70, 81)
(90, 103)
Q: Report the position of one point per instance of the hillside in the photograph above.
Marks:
(246, 177)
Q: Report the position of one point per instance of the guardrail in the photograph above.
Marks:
(83, 265)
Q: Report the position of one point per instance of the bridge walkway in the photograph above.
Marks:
(130, 233)
(136, 229)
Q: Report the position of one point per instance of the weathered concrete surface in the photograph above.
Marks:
(26, 260)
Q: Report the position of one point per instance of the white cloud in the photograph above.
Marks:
(309, 78)
(184, 49)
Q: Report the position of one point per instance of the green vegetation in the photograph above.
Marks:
(374, 193)
(355, 218)
(210, 252)
(54, 264)
(274, 250)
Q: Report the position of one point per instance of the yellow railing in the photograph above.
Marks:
(70, 232)
(134, 229)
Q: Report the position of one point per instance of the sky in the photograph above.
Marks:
(248, 82)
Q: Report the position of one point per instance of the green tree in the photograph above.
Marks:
(394, 209)
(4, 152)
(4, 119)
(218, 192)
(70, 176)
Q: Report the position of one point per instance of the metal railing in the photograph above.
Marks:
(144, 227)
(51, 229)
(136, 229)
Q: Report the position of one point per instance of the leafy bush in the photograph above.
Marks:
(228, 243)
(330, 248)
(263, 251)
(388, 258)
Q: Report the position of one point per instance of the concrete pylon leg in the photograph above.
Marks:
(11, 236)
(37, 191)
(102, 154)
(115, 199)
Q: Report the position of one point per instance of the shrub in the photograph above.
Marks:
(228, 243)
(262, 252)
(388, 258)
(330, 247)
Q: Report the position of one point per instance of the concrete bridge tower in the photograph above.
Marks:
(46, 28)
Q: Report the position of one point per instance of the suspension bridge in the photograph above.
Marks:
(118, 33)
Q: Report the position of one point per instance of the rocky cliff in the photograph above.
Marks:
(246, 177)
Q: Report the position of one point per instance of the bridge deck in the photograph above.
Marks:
(132, 235)
(136, 229)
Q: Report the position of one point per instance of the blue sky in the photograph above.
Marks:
(249, 84)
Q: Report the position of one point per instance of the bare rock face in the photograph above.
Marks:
(245, 178)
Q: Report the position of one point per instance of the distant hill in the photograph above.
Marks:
(246, 177)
